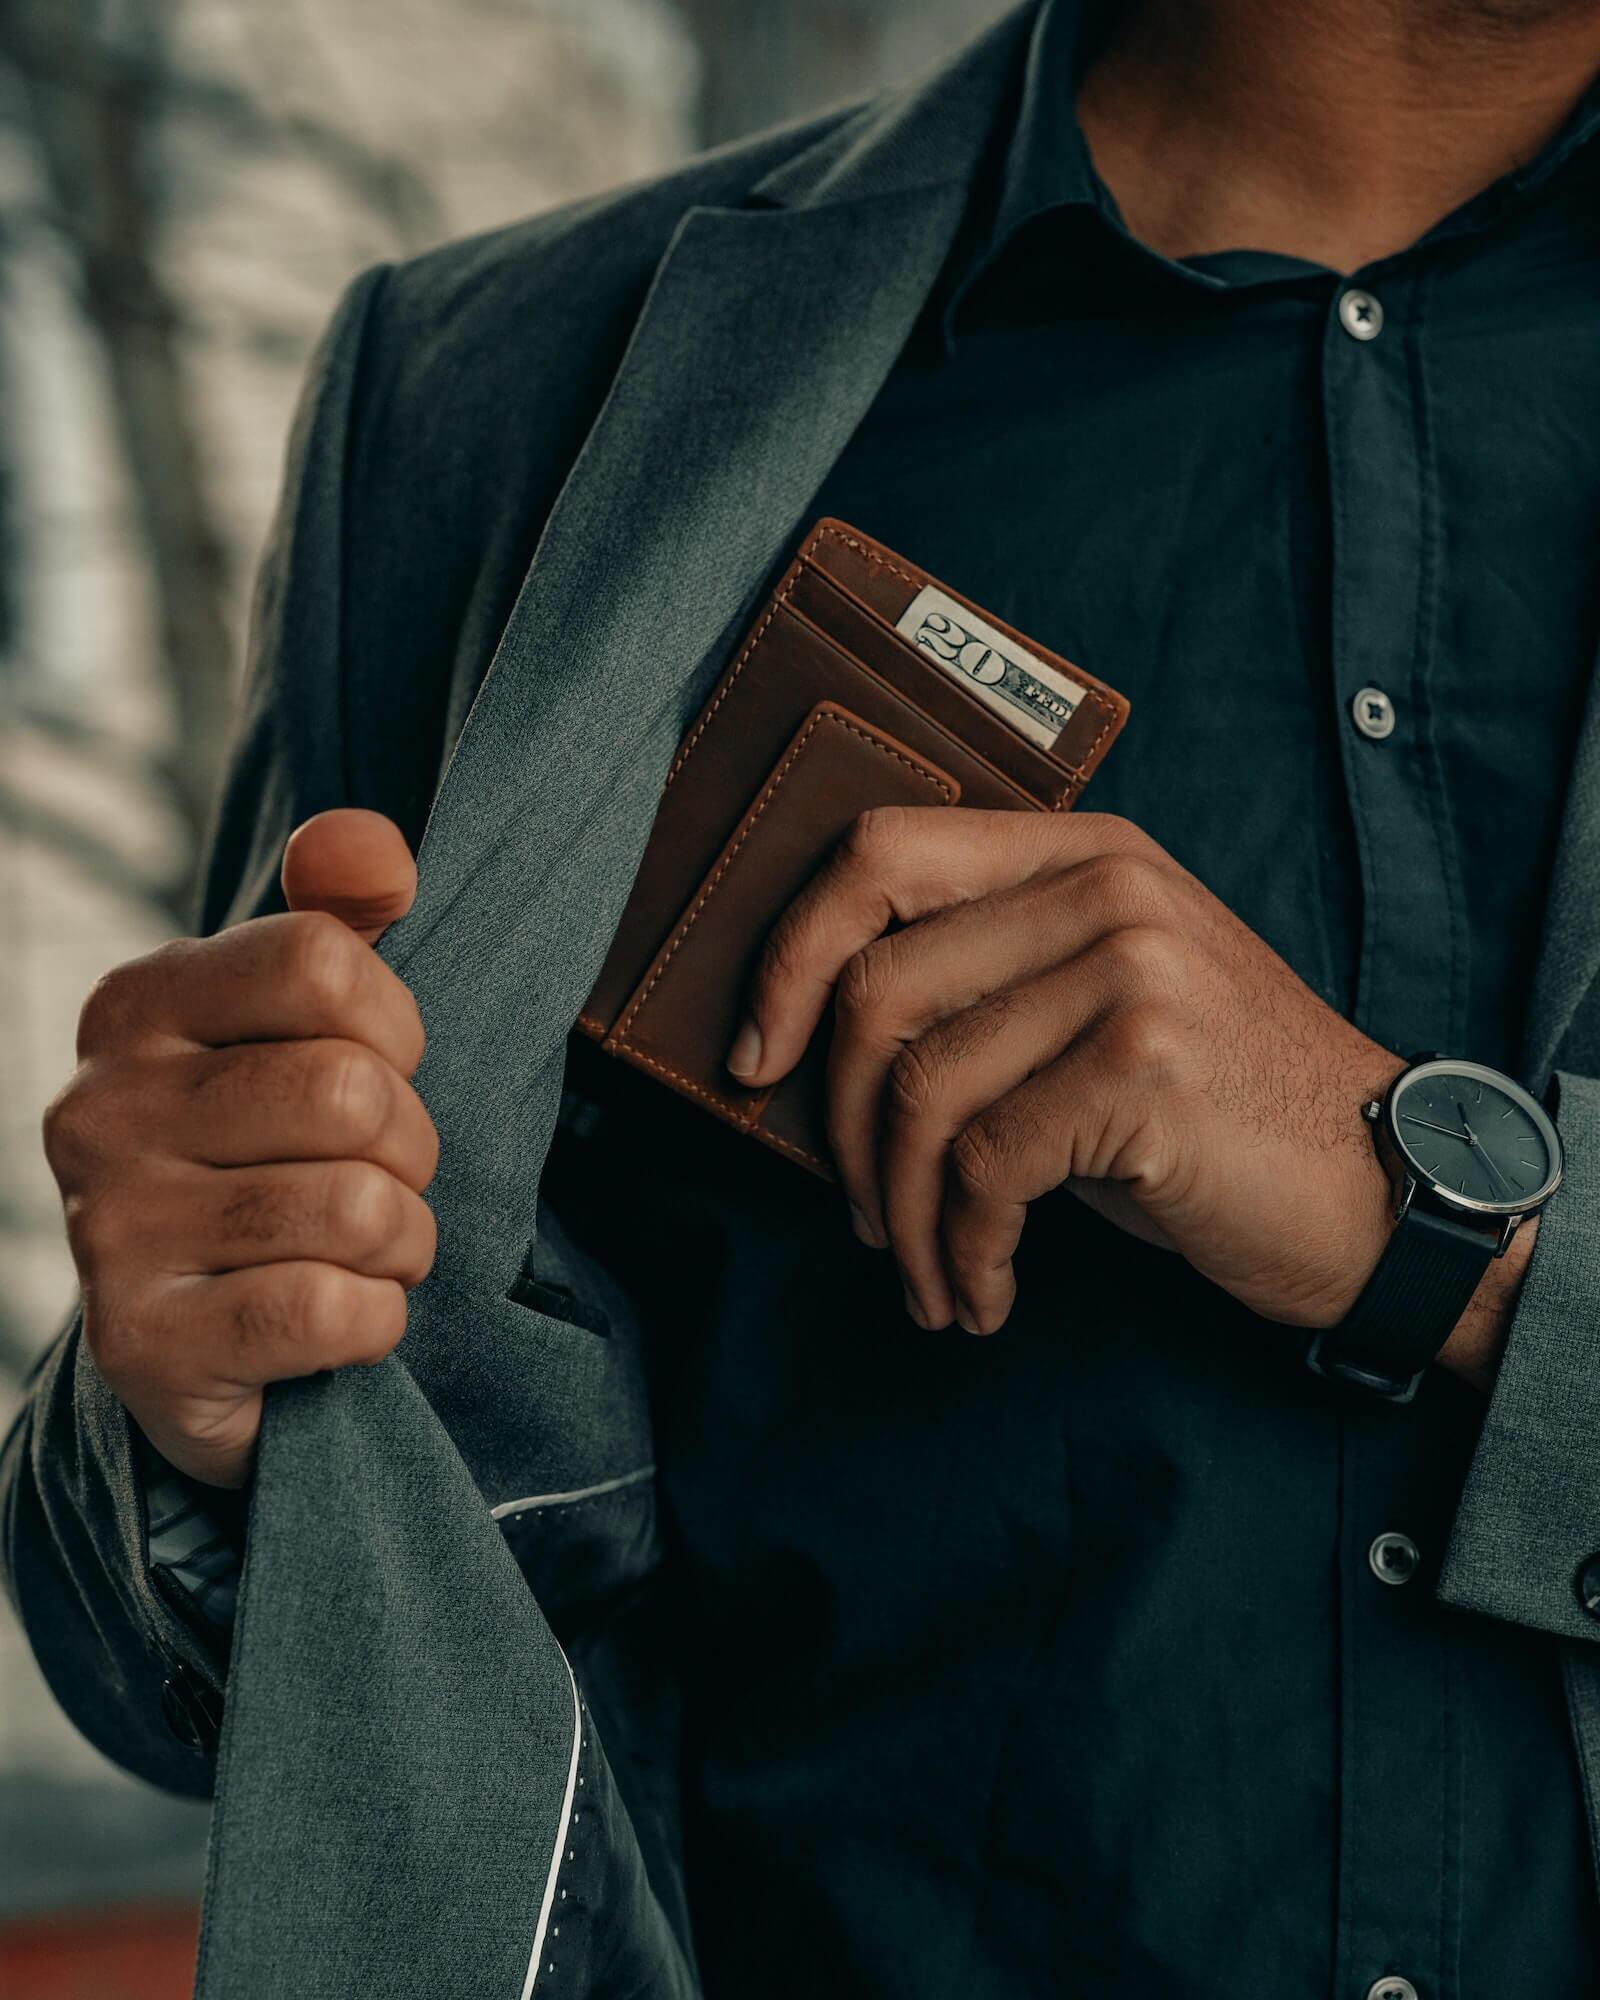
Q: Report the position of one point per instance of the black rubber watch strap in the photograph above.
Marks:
(1411, 1303)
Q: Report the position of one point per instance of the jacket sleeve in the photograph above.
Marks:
(1526, 1540)
(119, 1643)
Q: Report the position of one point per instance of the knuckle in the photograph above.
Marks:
(424, 1245)
(1142, 957)
(978, 1159)
(344, 1318)
(1140, 1039)
(100, 1231)
(873, 834)
(108, 1008)
(362, 1207)
(375, 1326)
(321, 1305)
(416, 1034)
(352, 1092)
(74, 1128)
(428, 1149)
(1114, 831)
(867, 979)
(323, 966)
(916, 1081)
(1127, 885)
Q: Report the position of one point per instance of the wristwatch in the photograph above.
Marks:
(1472, 1156)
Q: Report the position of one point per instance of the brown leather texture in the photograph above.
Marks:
(825, 712)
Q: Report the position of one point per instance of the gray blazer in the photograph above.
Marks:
(537, 484)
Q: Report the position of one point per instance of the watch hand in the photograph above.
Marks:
(1407, 1119)
(1474, 1141)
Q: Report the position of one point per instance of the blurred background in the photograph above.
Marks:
(185, 185)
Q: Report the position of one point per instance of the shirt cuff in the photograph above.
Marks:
(1525, 1545)
(195, 1538)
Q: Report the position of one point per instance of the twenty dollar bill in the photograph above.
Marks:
(1037, 700)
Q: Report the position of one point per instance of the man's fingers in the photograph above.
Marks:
(190, 1357)
(263, 1102)
(345, 1212)
(355, 866)
(946, 1078)
(894, 990)
(896, 864)
(1077, 1118)
(278, 1321)
(287, 978)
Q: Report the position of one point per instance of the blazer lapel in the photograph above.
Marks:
(764, 337)
(399, 1762)
(1569, 947)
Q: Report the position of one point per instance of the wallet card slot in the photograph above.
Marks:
(1014, 789)
(882, 586)
(681, 1018)
(833, 608)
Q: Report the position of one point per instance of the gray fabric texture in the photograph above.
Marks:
(1529, 1517)
(538, 482)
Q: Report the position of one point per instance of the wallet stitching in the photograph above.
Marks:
(1078, 774)
(721, 1104)
(1106, 708)
(738, 667)
(824, 715)
(749, 827)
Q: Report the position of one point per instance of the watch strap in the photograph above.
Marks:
(1422, 1284)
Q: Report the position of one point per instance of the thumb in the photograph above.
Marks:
(353, 864)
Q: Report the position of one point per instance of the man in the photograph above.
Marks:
(1246, 354)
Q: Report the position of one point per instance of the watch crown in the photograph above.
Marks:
(1372, 1111)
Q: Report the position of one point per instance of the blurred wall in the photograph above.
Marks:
(185, 185)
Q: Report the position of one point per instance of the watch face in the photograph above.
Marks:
(1474, 1138)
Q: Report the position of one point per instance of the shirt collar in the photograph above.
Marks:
(1048, 166)
(1047, 163)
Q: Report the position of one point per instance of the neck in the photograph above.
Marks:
(1336, 130)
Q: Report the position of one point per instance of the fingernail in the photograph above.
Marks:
(915, 1310)
(863, 1228)
(744, 1058)
(966, 1318)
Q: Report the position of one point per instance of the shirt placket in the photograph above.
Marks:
(1399, 1765)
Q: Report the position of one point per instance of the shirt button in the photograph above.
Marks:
(1588, 1582)
(1393, 1558)
(1374, 713)
(1391, 1987)
(1360, 315)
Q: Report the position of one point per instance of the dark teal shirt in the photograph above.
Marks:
(1055, 1664)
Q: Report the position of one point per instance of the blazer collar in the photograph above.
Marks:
(919, 133)
(1568, 963)
(765, 335)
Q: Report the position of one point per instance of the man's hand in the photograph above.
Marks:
(241, 1155)
(1023, 1000)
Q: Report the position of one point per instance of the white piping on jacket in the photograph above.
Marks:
(561, 1835)
(509, 1507)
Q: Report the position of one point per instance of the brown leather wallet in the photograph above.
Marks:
(863, 682)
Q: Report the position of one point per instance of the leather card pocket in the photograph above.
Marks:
(682, 1016)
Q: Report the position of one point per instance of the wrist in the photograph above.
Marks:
(1471, 1159)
